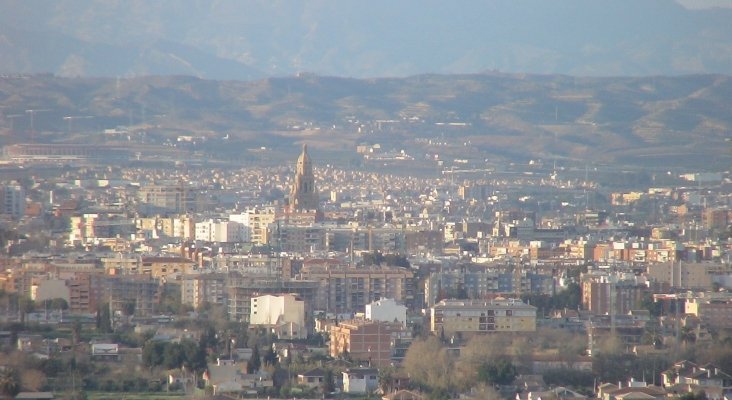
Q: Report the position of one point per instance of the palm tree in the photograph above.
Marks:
(9, 383)
(688, 335)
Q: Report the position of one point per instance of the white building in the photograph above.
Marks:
(360, 380)
(256, 220)
(218, 231)
(387, 310)
(284, 314)
(183, 227)
(245, 231)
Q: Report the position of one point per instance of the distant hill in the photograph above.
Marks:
(251, 39)
(683, 120)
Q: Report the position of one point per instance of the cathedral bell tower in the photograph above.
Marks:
(304, 194)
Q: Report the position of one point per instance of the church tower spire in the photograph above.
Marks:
(304, 194)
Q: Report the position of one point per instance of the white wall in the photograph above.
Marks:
(386, 310)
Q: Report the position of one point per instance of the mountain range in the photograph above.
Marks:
(254, 39)
(653, 121)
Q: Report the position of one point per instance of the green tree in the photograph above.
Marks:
(255, 362)
(104, 319)
(647, 303)
(376, 258)
(688, 335)
(194, 356)
(76, 333)
(270, 357)
(499, 372)
(329, 381)
(152, 353)
(128, 308)
(386, 379)
(58, 304)
(172, 356)
(9, 382)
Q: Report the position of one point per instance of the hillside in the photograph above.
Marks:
(652, 121)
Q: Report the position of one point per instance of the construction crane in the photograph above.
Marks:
(32, 117)
(70, 118)
(12, 118)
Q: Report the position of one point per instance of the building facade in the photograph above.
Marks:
(283, 314)
(346, 289)
(369, 341)
(476, 316)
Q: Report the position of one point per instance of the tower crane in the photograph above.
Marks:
(12, 118)
(32, 113)
(70, 118)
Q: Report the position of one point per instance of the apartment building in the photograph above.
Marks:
(713, 309)
(365, 340)
(241, 289)
(166, 267)
(176, 199)
(13, 201)
(605, 294)
(683, 275)
(256, 220)
(345, 289)
(199, 289)
(468, 317)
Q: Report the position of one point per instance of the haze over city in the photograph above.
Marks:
(359, 200)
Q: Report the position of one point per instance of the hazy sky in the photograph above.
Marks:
(251, 39)
(703, 4)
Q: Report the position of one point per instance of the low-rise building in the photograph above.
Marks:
(313, 378)
(360, 380)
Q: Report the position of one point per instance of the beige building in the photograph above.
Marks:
(479, 316)
(713, 309)
(683, 275)
(256, 220)
(163, 267)
(283, 314)
(199, 289)
(179, 198)
(121, 264)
